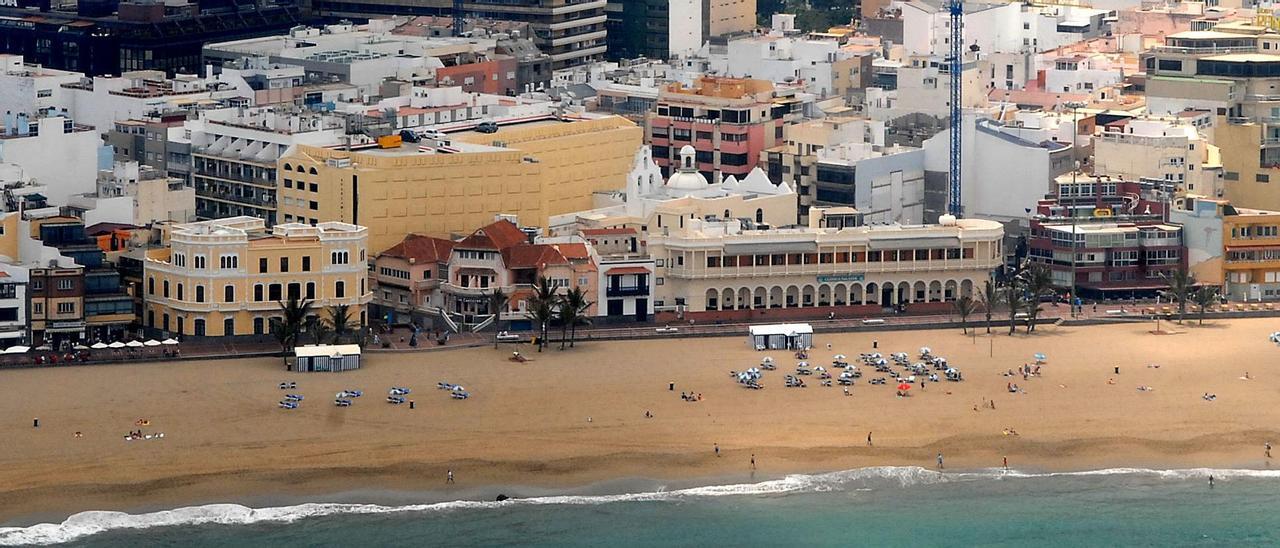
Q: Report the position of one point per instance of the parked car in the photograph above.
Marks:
(487, 127)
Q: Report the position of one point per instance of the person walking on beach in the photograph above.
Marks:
(1267, 446)
(1006, 463)
(449, 476)
(868, 439)
(753, 461)
(939, 460)
(717, 448)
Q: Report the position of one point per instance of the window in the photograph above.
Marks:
(274, 292)
(344, 257)
(314, 188)
(66, 308)
(151, 286)
(229, 261)
(179, 259)
(229, 294)
(284, 264)
(199, 293)
(315, 205)
(166, 289)
(306, 263)
(66, 284)
(262, 265)
(1231, 175)
(258, 328)
(180, 295)
(198, 325)
(229, 326)
(311, 290)
(37, 308)
(200, 261)
(340, 289)
(1262, 178)
(257, 292)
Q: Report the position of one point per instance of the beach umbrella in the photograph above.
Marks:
(926, 350)
(151, 342)
(17, 349)
(134, 344)
(1040, 357)
(79, 347)
(98, 346)
(44, 348)
(904, 387)
(116, 344)
(767, 360)
(819, 368)
(802, 364)
(169, 341)
(839, 356)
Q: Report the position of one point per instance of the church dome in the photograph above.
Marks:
(687, 176)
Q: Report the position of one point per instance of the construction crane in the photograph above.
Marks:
(458, 20)
(956, 67)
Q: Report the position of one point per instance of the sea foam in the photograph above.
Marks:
(94, 522)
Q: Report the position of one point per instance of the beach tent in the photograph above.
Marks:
(326, 357)
(782, 336)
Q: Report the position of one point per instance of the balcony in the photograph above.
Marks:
(628, 291)
(880, 267)
(458, 290)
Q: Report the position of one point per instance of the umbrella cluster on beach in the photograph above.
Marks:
(456, 392)
(898, 369)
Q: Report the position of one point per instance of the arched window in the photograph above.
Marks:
(228, 293)
(288, 167)
(312, 171)
(199, 293)
(759, 215)
(165, 286)
(726, 214)
(688, 162)
(151, 285)
(180, 294)
(340, 289)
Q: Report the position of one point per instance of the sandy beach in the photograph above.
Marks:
(578, 416)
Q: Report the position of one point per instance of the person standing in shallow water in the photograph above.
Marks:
(939, 460)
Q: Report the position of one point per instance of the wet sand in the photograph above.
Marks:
(527, 424)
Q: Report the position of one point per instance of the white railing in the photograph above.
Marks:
(482, 325)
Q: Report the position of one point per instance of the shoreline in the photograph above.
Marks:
(402, 484)
(529, 426)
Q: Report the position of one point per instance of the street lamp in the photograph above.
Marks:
(1075, 107)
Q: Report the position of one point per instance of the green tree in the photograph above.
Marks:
(964, 306)
(572, 312)
(1181, 284)
(497, 303)
(1204, 297)
(1037, 280)
(341, 322)
(1013, 297)
(990, 298)
(542, 308)
(289, 328)
(319, 330)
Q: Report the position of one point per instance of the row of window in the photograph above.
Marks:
(261, 292)
(312, 187)
(1254, 231)
(844, 257)
(64, 284)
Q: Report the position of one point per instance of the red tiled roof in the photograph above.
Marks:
(626, 270)
(573, 251)
(422, 249)
(607, 231)
(532, 256)
(498, 236)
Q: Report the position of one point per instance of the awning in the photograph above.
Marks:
(914, 243)
(623, 270)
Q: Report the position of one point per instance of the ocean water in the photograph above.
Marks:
(888, 506)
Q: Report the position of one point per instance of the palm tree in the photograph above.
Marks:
(1013, 297)
(497, 302)
(573, 312)
(319, 330)
(1204, 296)
(542, 308)
(290, 326)
(1181, 285)
(990, 298)
(341, 322)
(1038, 282)
(964, 306)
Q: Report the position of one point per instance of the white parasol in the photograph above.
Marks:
(151, 342)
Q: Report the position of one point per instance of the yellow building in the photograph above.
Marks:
(227, 276)
(1250, 162)
(531, 170)
(1251, 254)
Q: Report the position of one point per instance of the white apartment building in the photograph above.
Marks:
(13, 305)
(32, 88)
(53, 151)
(1159, 148)
(997, 27)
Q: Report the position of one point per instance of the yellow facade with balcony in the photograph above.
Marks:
(228, 276)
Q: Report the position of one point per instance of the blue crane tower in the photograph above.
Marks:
(955, 67)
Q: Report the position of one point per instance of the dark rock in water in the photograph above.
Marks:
(502, 497)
